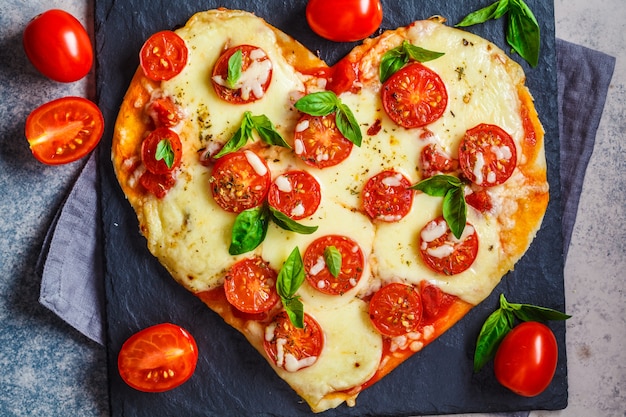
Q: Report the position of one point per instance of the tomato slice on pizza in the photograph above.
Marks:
(240, 181)
(319, 143)
(242, 74)
(296, 194)
(414, 96)
(333, 264)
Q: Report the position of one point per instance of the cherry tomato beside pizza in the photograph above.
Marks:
(414, 96)
(250, 286)
(344, 20)
(163, 56)
(443, 252)
(64, 130)
(387, 196)
(242, 74)
(318, 141)
(526, 360)
(158, 358)
(296, 194)
(292, 348)
(487, 155)
(240, 181)
(161, 151)
(351, 263)
(58, 46)
(396, 309)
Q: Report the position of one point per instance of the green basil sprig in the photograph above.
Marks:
(396, 58)
(501, 321)
(251, 226)
(522, 33)
(165, 152)
(333, 260)
(264, 128)
(234, 68)
(452, 189)
(324, 103)
(290, 278)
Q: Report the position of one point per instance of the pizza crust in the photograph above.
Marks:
(177, 226)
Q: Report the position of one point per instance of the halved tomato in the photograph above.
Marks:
(64, 130)
(158, 358)
(295, 193)
(318, 141)
(387, 196)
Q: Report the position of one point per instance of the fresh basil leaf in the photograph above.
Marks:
(295, 311)
(438, 185)
(320, 103)
(420, 54)
(455, 210)
(529, 312)
(523, 32)
(396, 58)
(347, 124)
(234, 68)
(239, 138)
(249, 230)
(333, 260)
(486, 13)
(267, 132)
(291, 275)
(287, 223)
(497, 325)
(290, 278)
(165, 152)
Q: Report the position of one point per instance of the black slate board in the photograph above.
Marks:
(231, 378)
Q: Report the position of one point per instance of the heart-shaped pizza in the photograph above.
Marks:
(341, 218)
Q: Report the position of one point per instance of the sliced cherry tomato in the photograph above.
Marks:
(318, 273)
(252, 82)
(480, 200)
(157, 184)
(159, 147)
(318, 141)
(526, 360)
(163, 56)
(240, 181)
(414, 96)
(250, 286)
(396, 309)
(434, 160)
(64, 130)
(443, 252)
(58, 46)
(487, 155)
(434, 301)
(387, 196)
(342, 76)
(291, 348)
(158, 358)
(344, 20)
(295, 193)
(163, 112)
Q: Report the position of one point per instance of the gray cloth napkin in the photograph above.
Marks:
(71, 259)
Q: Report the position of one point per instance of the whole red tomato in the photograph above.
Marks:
(344, 20)
(58, 46)
(158, 358)
(526, 359)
